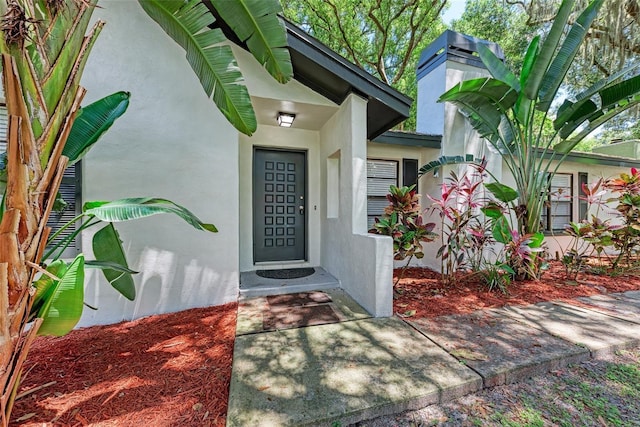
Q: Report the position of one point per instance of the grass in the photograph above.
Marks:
(593, 393)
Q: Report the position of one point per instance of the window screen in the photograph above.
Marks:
(381, 174)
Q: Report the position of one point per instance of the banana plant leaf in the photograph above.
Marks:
(256, 22)
(497, 68)
(142, 207)
(523, 104)
(447, 160)
(110, 265)
(188, 24)
(484, 101)
(564, 58)
(502, 192)
(544, 56)
(59, 303)
(91, 122)
(501, 230)
(107, 248)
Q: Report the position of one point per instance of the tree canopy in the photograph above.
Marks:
(384, 37)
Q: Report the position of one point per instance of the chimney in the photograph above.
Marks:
(451, 58)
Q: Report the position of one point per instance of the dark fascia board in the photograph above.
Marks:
(598, 159)
(411, 139)
(454, 46)
(324, 71)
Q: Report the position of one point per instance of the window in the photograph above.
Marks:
(381, 174)
(557, 214)
(410, 172)
(583, 206)
(69, 191)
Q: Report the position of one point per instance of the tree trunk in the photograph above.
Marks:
(42, 95)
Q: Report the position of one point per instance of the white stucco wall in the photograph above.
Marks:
(362, 262)
(427, 185)
(171, 143)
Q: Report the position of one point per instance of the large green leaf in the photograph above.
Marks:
(502, 192)
(484, 101)
(91, 122)
(256, 22)
(141, 207)
(501, 230)
(595, 121)
(544, 57)
(62, 300)
(446, 160)
(523, 104)
(562, 62)
(188, 24)
(496, 67)
(107, 247)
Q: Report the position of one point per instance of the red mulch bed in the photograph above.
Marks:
(421, 290)
(165, 370)
(174, 370)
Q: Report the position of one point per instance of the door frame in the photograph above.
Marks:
(305, 246)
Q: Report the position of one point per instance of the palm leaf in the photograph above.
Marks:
(62, 300)
(570, 111)
(558, 69)
(447, 160)
(91, 122)
(484, 101)
(549, 46)
(523, 104)
(187, 23)
(256, 22)
(597, 120)
(497, 68)
(107, 248)
(142, 207)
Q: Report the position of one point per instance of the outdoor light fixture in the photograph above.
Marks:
(285, 119)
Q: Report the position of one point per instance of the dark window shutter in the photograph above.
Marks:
(70, 191)
(410, 172)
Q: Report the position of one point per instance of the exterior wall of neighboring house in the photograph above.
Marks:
(556, 240)
(362, 262)
(171, 143)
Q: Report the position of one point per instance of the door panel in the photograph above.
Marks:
(279, 205)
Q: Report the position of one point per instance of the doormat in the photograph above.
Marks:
(297, 317)
(298, 299)
(287, 273)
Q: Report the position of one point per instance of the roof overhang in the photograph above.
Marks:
(409, 139)
(329, 74)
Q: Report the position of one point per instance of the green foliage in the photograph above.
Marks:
(403, 222)
(58, 300)
(383, 37)
(487, 244)
(499, 22)
(595, 235)
(189, 23)
(92, 122)
(107, 248)
(515, 118)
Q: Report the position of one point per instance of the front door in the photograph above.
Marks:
(279, 205)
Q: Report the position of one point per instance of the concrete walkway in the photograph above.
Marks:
(341, 373)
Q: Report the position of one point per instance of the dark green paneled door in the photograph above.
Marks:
(279, 205)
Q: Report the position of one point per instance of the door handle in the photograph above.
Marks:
(301, 209)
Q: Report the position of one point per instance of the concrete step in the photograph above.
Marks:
(252, 285)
